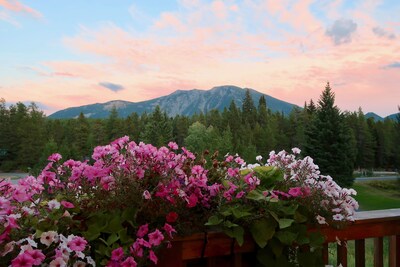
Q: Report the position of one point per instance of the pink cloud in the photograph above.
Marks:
(201, 46)
(18, 7)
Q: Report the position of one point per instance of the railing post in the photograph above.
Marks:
(325, 254)
(378, 252)
(360, 252)
(394, 251)
(342, 254)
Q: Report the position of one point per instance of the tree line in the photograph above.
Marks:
(339, 142)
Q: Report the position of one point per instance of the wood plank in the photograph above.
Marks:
(394, 251)
(342, 254)
(378, 252)
(360, 252)
(325, 254)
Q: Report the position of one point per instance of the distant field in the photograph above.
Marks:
(378, 195)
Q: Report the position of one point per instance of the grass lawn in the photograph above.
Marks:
(377, 195)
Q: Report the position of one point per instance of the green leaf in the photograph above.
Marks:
(276, 247)
(114, 225)
(286, 237)
(237, 233)
(240, 213)
(285, 223)
(289, 210)
(214, 220)
(262, 231)
(91, 235)
(112, 239)
(229, 224)
(256, 195)
(316, 239)
(300, 218)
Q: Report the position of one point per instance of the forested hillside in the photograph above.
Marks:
(339, 142)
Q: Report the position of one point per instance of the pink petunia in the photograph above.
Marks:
(117, 254)
(23, 260)
(143, 230)
(169, 229)
(192, 200)
(171, 217)
(54, 157)
(156, 237)
(146, 194)
(67, 205)
(240, 194)
(197, 169)
(129, 262)
(36, 255)
(295, 191)
(77, 243)
(58, 262)
(20, 194)
(172, 145)
(153, 257)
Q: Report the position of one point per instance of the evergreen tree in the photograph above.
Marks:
(113, 125)
(158, 130)
(364, 149)
(329, 140)
(249, 111)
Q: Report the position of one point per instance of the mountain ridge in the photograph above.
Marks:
(179, 102)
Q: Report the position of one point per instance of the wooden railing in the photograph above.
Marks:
(216, 249)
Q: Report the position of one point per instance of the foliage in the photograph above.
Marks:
(329, 140)
(27, 135)
(133, 198)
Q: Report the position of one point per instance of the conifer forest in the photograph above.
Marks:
(339, 142)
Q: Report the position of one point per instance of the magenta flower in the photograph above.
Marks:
(169, 229)
(67, 205)
(240, 194)
(129, 262)
(143, 230)
(36, 255)
(77, 243)
(173, 145)
(153, 257)
(156, 237)
(54, 157)
(192, 200)
(233, 172)
(20, 194)
(197, 169)
(117, 254)
(146, 194)
(295, 191)
(171, 217)
(23, 260)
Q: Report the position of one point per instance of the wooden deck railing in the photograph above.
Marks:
(216, 249)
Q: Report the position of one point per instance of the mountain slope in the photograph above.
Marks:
(178, 103)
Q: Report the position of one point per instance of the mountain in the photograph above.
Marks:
(379, 118)
(178, 103)
(373, 115)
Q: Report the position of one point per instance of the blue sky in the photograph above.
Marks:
(60, 54)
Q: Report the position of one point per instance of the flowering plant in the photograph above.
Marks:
(134, 198)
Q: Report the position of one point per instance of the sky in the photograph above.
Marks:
(61, 54)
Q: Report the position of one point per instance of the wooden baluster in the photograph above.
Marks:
(378, 252)
(394, 251)
(325, 254)
(342, 254)
(237, 260)
(360, 252)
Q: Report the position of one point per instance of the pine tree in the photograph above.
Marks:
(249, 111)
(329, 140)
(158, 130)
